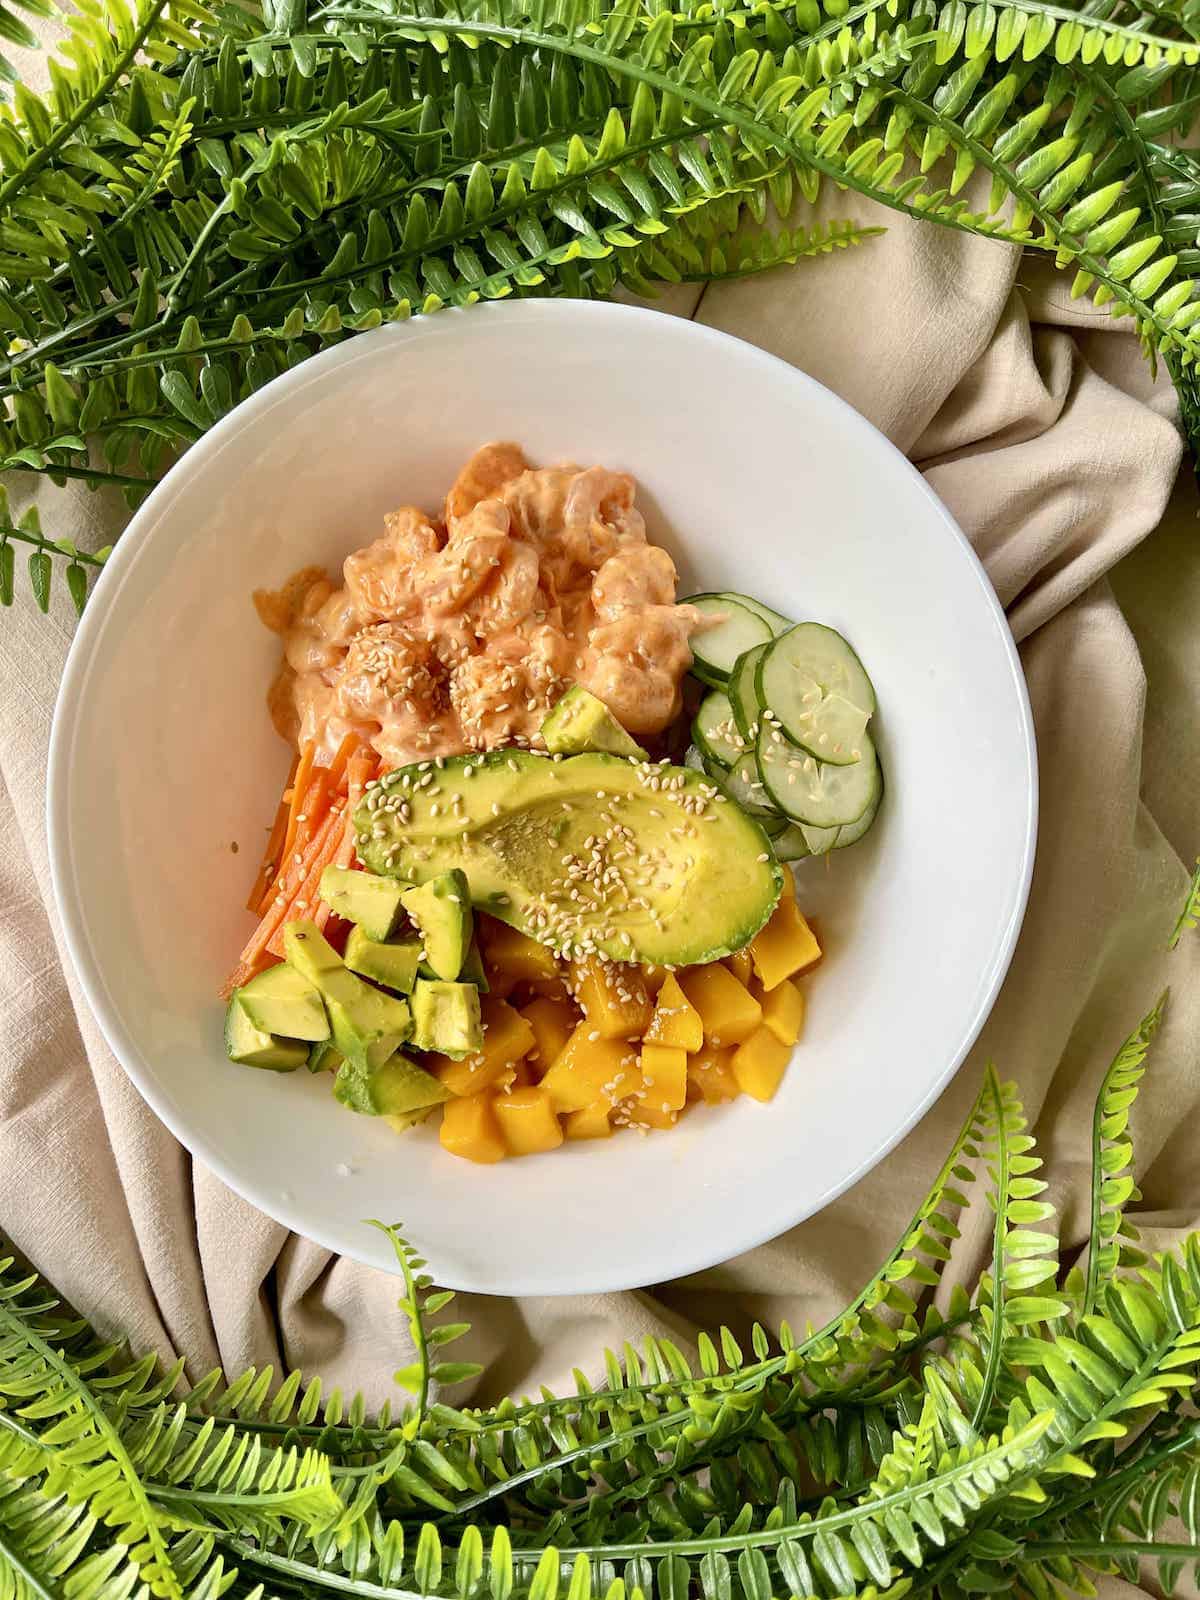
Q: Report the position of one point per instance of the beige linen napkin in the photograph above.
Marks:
(1036, 423)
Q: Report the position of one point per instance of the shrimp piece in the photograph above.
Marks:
(635, 664)
(278, 608)
(599, 496)
(502, 695)
(317, 640)
(386, 665)
(488, 470)
(482, 572)
(379, 578)
(639, 575)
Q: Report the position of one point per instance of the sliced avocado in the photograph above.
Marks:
(282, 1000)
(441, 909)
(472, 969)
(367, 1025)
(404, 1120)
(587, 854)
(393, 1087)
(580, 722)
(325, 1057)
(392, 965)
(360, 897)
(446, 1017)
(255, 1047)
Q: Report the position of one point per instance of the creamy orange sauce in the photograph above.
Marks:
(459, 632)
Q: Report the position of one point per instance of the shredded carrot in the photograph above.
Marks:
(291, 881)
(308, 902)
(360, 770)
(270, 861)
(299, 788)
(337, 766)
(316, 807)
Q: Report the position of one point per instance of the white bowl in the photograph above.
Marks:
(756, 479)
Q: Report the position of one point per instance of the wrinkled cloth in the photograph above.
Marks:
(1036, 421)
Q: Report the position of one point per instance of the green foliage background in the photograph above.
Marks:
(205, 196)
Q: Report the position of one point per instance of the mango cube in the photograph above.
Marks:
(728, 1011)
(527, 1121)
(710, 1071)
(786, 945)
(652, 1114)
(614, 998)
(759, 1063)
(470, 1129)
(590, 1122)
(507, 1039)
(740, 964)
(664, 1074)
(783, 1011)
(675, 1021)
(590, 1068)
(516, 955)
(553, 1022)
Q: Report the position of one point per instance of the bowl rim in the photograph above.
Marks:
(153, 514)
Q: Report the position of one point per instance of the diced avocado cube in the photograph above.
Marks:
(373, 903)
(389, 1089)
(367, 1025)
(580, 722)
(404, 1120)
(393, 965)
(255, 1047)
(325, 1057)
(446, 1017)
(441, 910)
(472, 969)
(282, 1000)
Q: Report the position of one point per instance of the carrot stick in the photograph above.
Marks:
(360, 769)
(290, 881)
(337, 766)
(270, 860)
(299, 789)
(316, 807)
(308, 902)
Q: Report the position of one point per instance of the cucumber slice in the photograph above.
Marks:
(743, 784)
(791, 845)
(715, 651)
(742, 690)
(853, 831)
(815, 686)
(773, 620)
(716, 733)
(775, 826)
(820, 841)
(815, 792)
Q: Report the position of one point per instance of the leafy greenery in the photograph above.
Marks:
(1018, 1441)
(204, 196)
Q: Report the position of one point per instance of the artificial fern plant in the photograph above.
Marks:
(204, 196)
(1019, 1441)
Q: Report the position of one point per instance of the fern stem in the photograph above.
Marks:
(97, 475)
(1110, 1549)
(995, 1329)
(10, 1558)
(9, 530)
(1189, 916)
(42, 155)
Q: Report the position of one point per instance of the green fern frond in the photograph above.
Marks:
(1189, 916)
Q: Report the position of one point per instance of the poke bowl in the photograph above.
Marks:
(551, 774)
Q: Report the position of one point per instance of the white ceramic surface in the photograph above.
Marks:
(756, 478)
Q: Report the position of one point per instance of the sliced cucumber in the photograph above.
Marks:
(815, 686)
(743, 784)
(853, 831)
(791, 845)
(773, 620)
(775, 826)
(715, 651)
(815, 792)
(820, 841)
(715, 731)
(742, 690)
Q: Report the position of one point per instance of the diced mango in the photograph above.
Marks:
(514, 953)
(675, 1021)
(507, 1039)
(590, 1068)
(740, 964)
(652, 1114)
(527, 1121)
(759, 1063)
(728, 1011)
(654, 978)
(551, 989)
(590, 1122)
(553, 1022)
(470, 1129)
(614, 998)
(783, 1011)
(711, 1071)
(664, 1073)
(787, 944)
